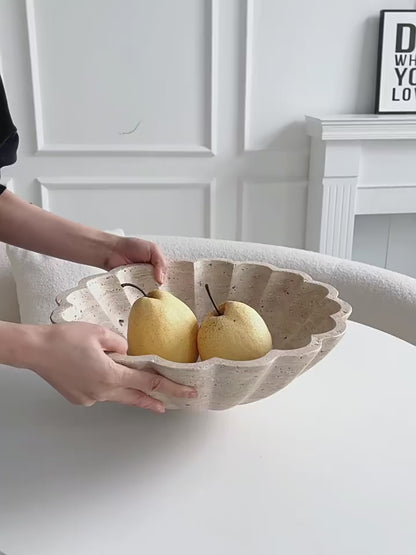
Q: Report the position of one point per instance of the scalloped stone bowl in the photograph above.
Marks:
(306, 320)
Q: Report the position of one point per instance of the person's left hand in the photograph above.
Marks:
(128, 250)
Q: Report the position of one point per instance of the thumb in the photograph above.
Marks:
(159, 273)
(159, 264)
(113, 342)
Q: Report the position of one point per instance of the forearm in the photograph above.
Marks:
(28, 226)
(20, 344)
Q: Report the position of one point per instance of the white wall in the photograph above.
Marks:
(220, 88)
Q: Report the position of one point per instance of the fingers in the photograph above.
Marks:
(159, 264)
(136, 398)
(149, 382)
(112, 342)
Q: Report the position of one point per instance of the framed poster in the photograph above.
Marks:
(396, 74)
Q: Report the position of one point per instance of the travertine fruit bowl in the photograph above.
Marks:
(306, 320)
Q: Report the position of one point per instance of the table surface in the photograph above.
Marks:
(326, 466)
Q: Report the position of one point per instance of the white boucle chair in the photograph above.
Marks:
(380, 298)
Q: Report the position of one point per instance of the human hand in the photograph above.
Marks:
(128, 250)
(72, 358)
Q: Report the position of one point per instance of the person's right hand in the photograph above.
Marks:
(72, 358)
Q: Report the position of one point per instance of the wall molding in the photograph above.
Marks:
(210, 149)
(145, 150)
(34, 65)
(48, 184)
(214, 77)
(248, 71)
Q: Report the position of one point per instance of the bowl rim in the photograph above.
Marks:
(313, 347)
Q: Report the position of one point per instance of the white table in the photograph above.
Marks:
(326, 466)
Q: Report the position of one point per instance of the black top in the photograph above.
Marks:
(9, 139)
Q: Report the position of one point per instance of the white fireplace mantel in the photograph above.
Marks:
(337, 193)
(361, 127)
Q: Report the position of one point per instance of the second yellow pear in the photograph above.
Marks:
(234, 331)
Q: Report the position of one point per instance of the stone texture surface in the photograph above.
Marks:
(306, 320)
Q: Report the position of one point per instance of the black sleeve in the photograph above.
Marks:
(8, 150)
(9, 139)
(2, 188)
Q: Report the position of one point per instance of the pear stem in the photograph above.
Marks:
(135, 286)
(212, 300)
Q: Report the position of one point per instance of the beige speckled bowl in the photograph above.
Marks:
(305, 318)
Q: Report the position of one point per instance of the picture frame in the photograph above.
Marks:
(396, 65)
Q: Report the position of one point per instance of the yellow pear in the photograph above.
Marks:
(161, 324)
(233, 331)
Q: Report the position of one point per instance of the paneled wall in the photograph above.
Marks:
(182, 116)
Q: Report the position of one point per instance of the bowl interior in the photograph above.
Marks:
(291, 304)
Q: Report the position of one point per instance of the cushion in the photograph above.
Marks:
(40, 278)
(9, 307)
